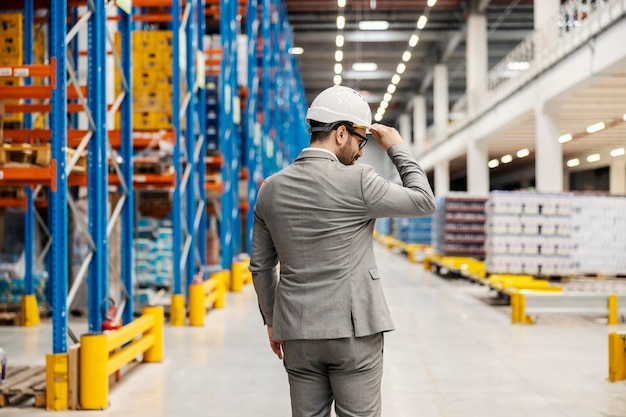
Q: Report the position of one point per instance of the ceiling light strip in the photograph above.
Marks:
(406, 57)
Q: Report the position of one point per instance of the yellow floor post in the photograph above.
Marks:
(426, 263)
(94, 378)
(197, 309)
(515, 307)
(30, 311)
(236, 283)
(57, 381)
(155, 353)
(177, 310)
(612, 304)
(617, 357)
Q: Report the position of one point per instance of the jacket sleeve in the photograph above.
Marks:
(413, 198)
(263, 261)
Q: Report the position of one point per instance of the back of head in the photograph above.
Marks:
(339, 103)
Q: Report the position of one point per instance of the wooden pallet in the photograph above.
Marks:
(24, 383)
(10, 318)
(25, 154)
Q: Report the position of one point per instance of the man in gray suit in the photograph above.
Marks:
(326, 314)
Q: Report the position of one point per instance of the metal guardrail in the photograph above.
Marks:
(211, 292)
(101, 355)
(577, 22)
(528, 304)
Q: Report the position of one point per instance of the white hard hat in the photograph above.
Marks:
(339, 103)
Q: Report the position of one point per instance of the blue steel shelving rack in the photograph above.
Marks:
(228, 138)
(97, 144)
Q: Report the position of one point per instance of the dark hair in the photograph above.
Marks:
(319, 136)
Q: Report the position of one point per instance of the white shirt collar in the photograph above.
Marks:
(323, 150)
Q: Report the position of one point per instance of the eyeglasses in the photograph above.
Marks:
(362, 139)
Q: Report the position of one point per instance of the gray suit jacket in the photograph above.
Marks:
(316, 217)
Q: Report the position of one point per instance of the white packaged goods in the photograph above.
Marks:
(528, 233)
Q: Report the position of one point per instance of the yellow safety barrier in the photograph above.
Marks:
(211, 292)
(30, 311)
(102, 355)
(617, 356)
(240, 275)
(518, 309)
(177, 310)
(57, 376)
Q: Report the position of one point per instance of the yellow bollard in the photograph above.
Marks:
(57, 381)
(224, 278)
(197, 309)
(426, 263)
(94, 378)
(247, 274)
(515, 307)
(612, 304)
(155, 353)
(177, 310)
(617, 357)
(236, 284)
(30, 311)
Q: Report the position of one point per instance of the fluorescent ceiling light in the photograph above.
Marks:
(518, 66)
(387, 97)
(378, 117)
(391, 88)
(296, 50)
(523, 153)
(338, 68)
(384, 104)
(506, 158)
(338, 56)
(617, 152)
(373, 25)
(406, 56)
(431, 3)
(341, 3)
(573, 162)
(596, 127)
(337, 79)
(493, 163)
(593, 157)
(414, 39)
(339, 41)
(395, 79)
(364, 66)
(401, 68)
(341, 22)
(565, 138)
(421, 22)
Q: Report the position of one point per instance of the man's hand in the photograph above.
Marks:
(386, 136)
(277, 346)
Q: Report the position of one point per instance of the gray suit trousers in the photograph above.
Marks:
(348, 371)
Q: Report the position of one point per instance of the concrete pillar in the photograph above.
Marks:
(440, 101)
(476, 61)
(405, 127)
(477, 169)
(419, 124)
(545, 10)
(617, 179)
(548, 150)
(442, 178)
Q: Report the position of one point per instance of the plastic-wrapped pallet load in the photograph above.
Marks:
(458, 225)
(599, 235)
(415, 230)
(529, 233)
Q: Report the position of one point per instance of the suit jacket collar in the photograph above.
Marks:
(317, 153)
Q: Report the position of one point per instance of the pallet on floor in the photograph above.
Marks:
(24, 384)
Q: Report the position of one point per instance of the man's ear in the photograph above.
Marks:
(341, 135)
